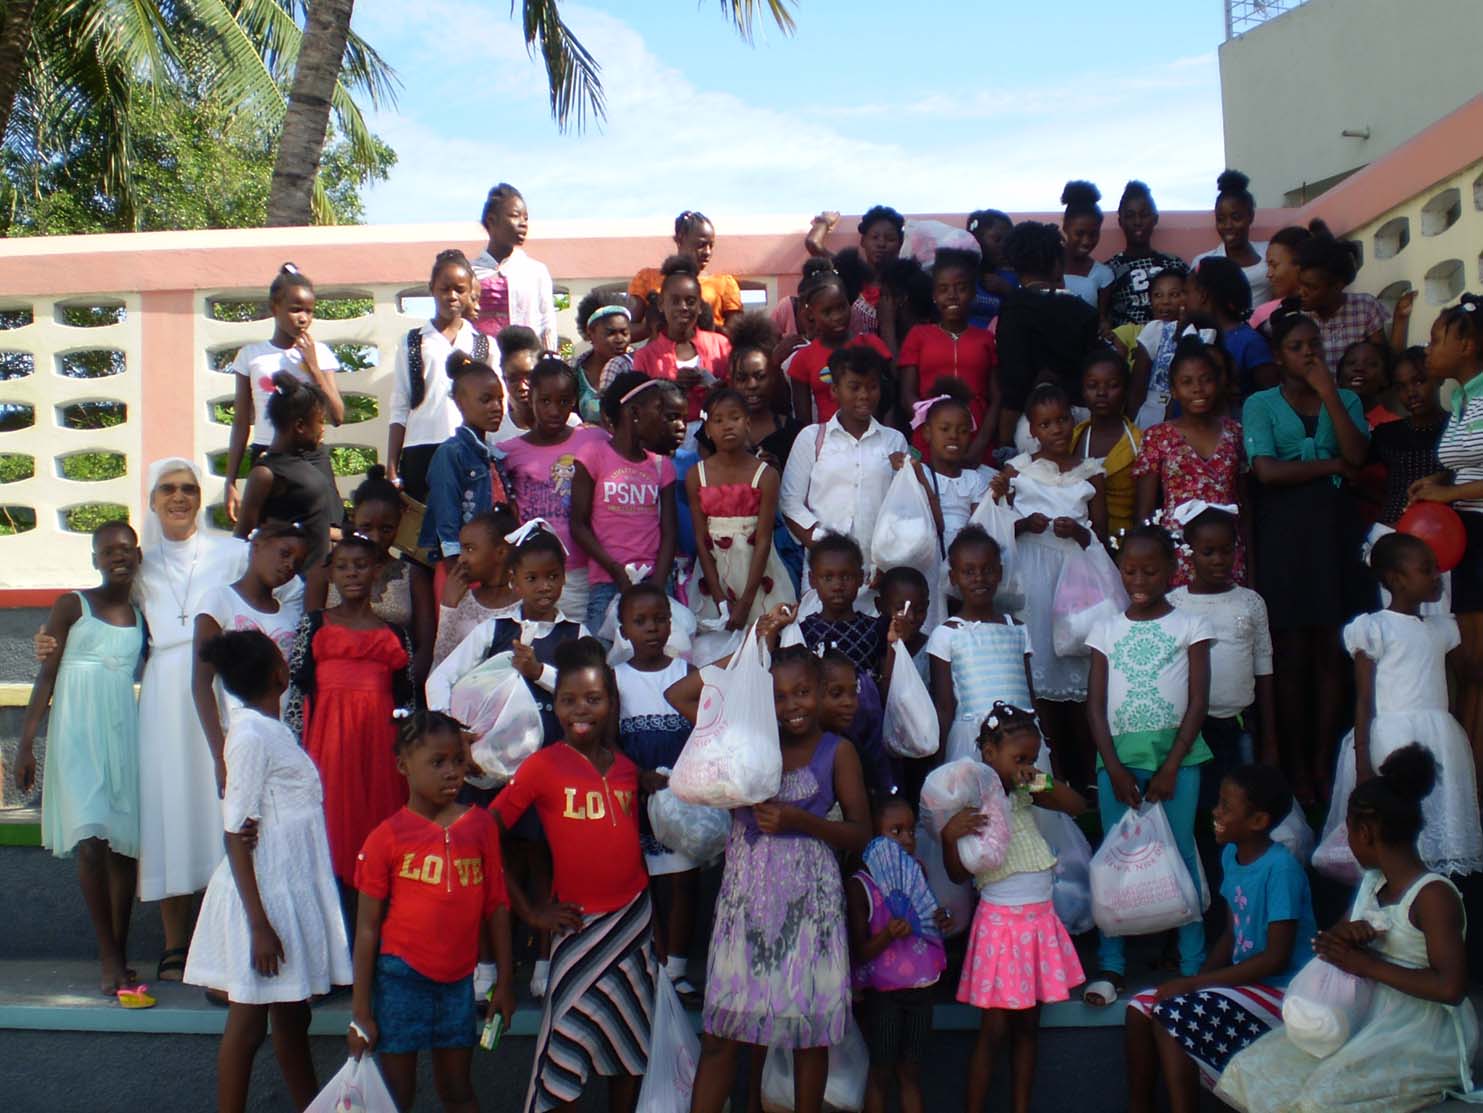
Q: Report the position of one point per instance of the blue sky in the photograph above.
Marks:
(943, 105)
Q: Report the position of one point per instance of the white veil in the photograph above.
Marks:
(151, 534)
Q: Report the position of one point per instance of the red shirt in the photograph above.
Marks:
(591, 822)
(443, 883)
(810, 364)
(657, 359)
(937, 354)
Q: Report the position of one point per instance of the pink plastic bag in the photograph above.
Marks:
(1087, 590)
(1323, 1006)
(970, 783)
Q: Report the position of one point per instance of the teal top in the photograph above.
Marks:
(1273, 428)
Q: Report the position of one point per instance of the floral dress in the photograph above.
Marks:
(731, 511)
(1184, 474)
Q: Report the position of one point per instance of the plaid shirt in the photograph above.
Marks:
(1357, 318)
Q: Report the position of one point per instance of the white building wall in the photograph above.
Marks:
(1292, 86)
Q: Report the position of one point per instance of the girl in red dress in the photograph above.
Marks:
(350, 671)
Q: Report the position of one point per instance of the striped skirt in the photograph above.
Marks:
(599, 1005)
(1213, 1024)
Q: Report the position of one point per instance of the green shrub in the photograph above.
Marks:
(16, 519)
(343, 309)
(360, 407)
(16, 466)
(92, 467)
(351, 459)
(90, 515)
(91, 316)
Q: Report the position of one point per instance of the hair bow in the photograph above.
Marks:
(525, 532)
(400, 713)
(1206, 335)
(919, 411)
(1187, 511)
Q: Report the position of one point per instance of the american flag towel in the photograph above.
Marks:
(1213, 1024)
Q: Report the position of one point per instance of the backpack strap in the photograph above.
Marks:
(481, 347)
(416, 376)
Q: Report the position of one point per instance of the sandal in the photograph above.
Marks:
(135, 997)
(171, 967)
(1104, 990)
(687, 993)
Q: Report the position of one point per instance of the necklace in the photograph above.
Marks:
(182, 599)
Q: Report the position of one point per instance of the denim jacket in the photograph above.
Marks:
(458, 488)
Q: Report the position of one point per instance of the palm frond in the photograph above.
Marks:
(571, 70)
(743, 15)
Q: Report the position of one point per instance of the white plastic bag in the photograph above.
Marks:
(997, 520)
(1335, 860)
(956, 898)
(909, 721)
(1295, 834)
(674, 1051)
(1072, 891)
(849, 1064)
(905, 531)
(1139, 882)
(712, 640)
(1323, 1005)
(356, 1088)
(732, 758)
(970, 783)
(922, 239)
(694, 830)
(494, 702)
(1087, 590)
(681, 624)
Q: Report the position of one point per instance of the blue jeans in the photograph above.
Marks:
(1181, 812)
(598, 597)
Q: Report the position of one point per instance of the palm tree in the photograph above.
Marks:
(571, 71)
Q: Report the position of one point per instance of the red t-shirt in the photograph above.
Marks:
(442, 884)
(591, 822)
(810, 364)
(936, 354)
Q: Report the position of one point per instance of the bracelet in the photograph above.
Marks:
(359, 1031)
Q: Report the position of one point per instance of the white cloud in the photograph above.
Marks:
(670, 143)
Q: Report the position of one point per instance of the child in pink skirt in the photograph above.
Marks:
(1019, 955)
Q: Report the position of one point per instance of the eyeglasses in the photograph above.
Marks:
(178, 489)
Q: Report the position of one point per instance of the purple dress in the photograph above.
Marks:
(778, 973)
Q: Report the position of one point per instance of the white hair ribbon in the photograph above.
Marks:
(1188, 511)
(529, 529)
(1206, 335)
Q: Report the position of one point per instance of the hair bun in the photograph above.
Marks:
(1232, 181)
(376, 472)
(1410, 772)
(1080, 192)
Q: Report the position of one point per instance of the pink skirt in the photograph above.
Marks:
(1019, 956)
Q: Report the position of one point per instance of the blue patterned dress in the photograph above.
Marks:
(652, 733)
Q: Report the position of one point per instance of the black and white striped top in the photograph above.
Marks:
(1460, 450)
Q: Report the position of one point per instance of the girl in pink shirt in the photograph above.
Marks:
(623, 488)
(682, 351)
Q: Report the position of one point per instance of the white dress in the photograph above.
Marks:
(1411, 706)
(1407, 1053)
(179, 811)
(1040, 487)
(232, 612)
(271, 779)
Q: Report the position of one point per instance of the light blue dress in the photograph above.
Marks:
(988, 663)
(91, 788)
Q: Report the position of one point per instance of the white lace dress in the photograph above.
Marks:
(271, 779)
(1040, 487)
(1411, 706)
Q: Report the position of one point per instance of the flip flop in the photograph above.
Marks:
(171, 962)
(135, 997)
(1104, 991)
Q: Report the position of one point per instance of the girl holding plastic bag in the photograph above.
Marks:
(1019, 955)
(600, 1003)
(1190, 1028)
(1149, 690)
(778, 971)
(979, 656)
(531, 634)
(1405, 934)
(652, 732)
(1062, 510)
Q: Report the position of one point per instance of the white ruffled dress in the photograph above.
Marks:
(1411, 706)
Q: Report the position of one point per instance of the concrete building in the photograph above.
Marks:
(1313, 91)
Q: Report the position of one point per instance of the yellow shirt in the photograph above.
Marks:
(1122, 488)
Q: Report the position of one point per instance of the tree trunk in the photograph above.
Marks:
(307, 118)
(15, 39)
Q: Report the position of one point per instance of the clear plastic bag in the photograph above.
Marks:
(681, 624)
(674, 1051)
(1295, 834)
(356, 1088)
(923, 239)
(694, 830)
(1087, 590)
(494, 702)
(905, 531)
(1072, 891)
(909, 725)
(970, 783)
(957, 899)
(732, 758)
(1139, 882)
(1335, 860)
(712, 640)
(997, 520)
(1323, 1006)
(849, 1064)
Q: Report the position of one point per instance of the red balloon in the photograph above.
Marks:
(1438, 525)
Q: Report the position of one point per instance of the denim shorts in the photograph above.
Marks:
(415, 1013)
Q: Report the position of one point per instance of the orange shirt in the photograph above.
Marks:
(720, 291)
